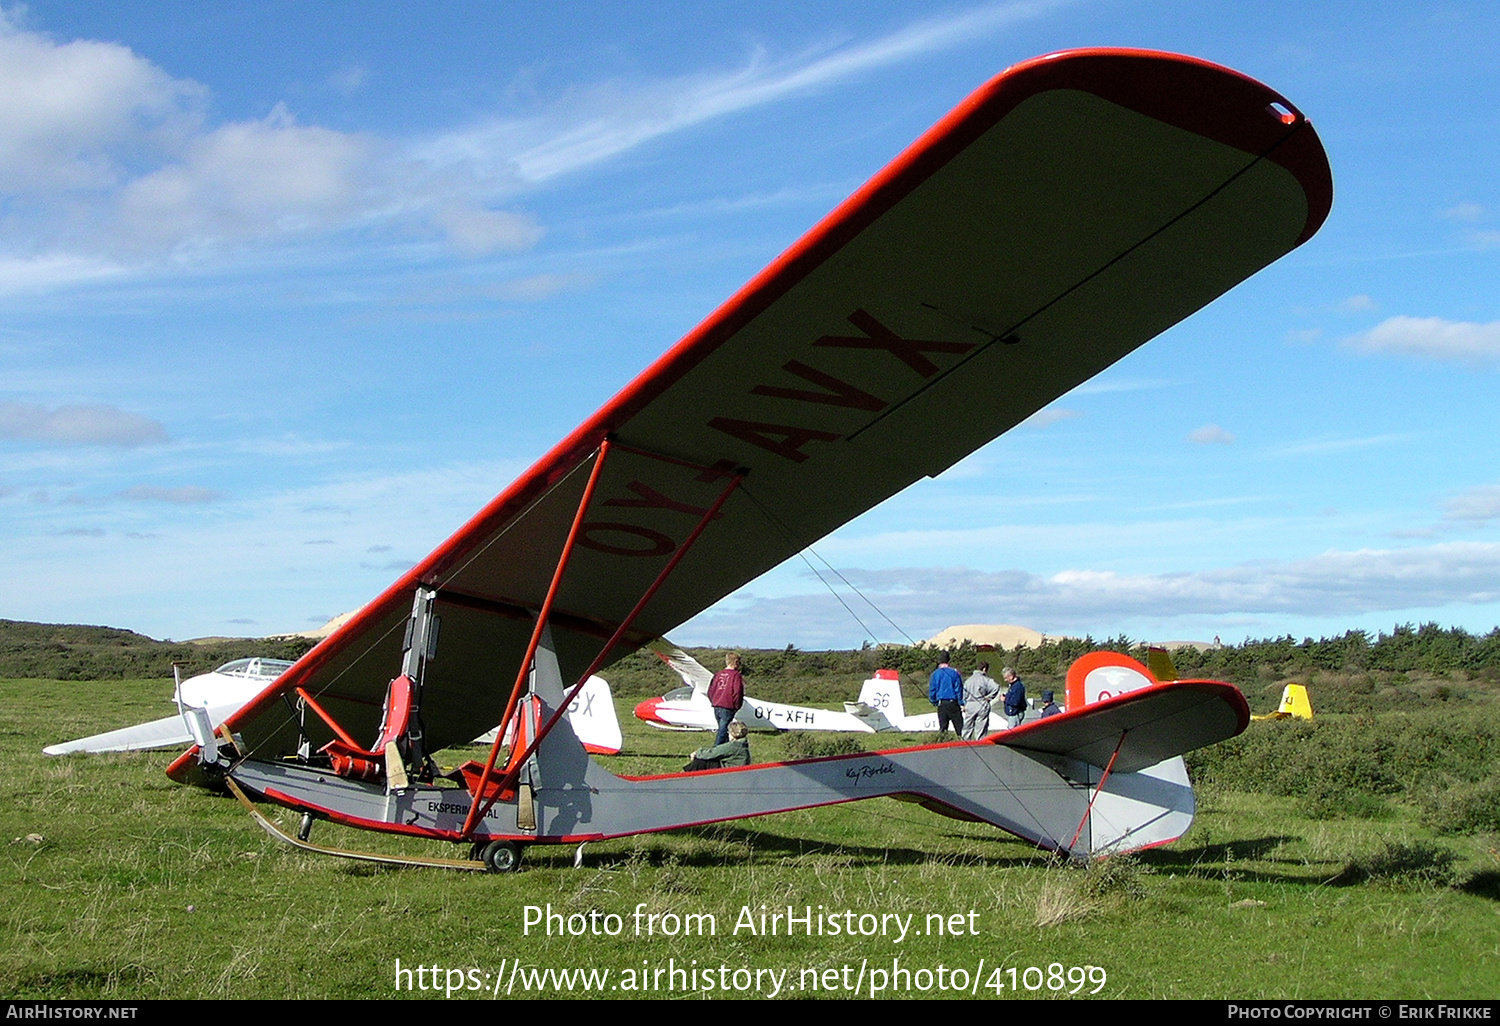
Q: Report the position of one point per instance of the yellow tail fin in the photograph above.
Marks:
(1159, 662)
(1294, 702)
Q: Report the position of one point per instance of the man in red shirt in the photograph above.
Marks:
(726, 693)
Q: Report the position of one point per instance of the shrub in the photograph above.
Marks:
(1328, 800)
(1402, 864)
(803, 744)
(1465, 808)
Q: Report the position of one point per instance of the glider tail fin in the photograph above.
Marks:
(1100, 675)
(592, 716)
(1295, 702)
(880, 701)
(1159, 662)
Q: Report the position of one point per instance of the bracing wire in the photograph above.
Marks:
(805, 547)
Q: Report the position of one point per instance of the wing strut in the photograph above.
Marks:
(1098, 788)
(536, 636)
(513, 770)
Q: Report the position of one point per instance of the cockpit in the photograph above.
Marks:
(256, 667)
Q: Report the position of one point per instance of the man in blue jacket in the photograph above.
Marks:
(945, 690)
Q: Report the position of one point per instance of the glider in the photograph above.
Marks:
(1069, 210)
(879, 707)
(687, 707)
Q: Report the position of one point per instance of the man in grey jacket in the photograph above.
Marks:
(979, 690)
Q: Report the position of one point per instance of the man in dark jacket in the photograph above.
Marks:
(1015, 698)
(726, 693)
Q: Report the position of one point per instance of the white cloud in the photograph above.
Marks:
(249, 179)
(1463, 213)
(1358, 304)
(1114, 384)
(1318, 446)
(1478, 505)
(78, 425)
(51, 270)
(477, 232)
(1210, 434)
(73, 115)
(107, 164)
(596, 124)
(1465, 342)
(257, 556)
(1077, 601)
(348, 80)
(187, 495)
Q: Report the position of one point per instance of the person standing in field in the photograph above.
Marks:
(979, 690)
(1015, 698)
(945, 690)
(726, 693)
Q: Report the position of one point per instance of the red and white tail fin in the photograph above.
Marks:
(880, 706)
(1100, 675)
(592, 717)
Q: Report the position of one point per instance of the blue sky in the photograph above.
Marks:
(290, 290)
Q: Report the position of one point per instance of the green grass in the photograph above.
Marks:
(139, 888)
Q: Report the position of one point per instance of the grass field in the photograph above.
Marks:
(117, 883)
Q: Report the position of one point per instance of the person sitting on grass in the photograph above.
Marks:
(734, 752)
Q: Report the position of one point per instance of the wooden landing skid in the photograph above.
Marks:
(466, 865)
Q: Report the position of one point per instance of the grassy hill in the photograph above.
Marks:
(53, 651)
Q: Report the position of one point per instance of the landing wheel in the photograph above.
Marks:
(502, 856)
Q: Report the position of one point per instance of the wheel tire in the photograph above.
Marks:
(502, 856)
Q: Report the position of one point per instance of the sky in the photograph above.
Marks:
(288, 291)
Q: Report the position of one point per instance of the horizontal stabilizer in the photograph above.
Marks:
(872, 718)
(167, 732)
(1158, 723)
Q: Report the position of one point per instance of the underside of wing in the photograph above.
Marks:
(1139, 729)
(1071, 209)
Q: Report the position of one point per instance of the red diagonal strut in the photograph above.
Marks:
(508, 781)
(536, 634)
(1097, 788)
